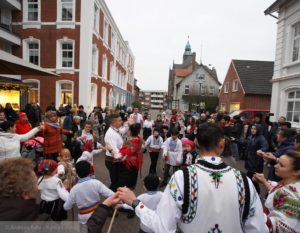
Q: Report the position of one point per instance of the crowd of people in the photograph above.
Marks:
(203, 189)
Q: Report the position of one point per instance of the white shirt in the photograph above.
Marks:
(52, 189)
(114, 139)
(214, 206)
(173, 150)
(10, 143)
(86, 193)
(137, 118)
(148, 124)
(151, 200)
(153, 142)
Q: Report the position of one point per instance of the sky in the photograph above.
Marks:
(218, 31)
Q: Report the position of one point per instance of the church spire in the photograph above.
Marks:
(188, 49)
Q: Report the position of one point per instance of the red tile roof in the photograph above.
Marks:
(182, 72)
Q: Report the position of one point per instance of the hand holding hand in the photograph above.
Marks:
(126, 195)
(112, 201)
(259, 178)
(269, 157)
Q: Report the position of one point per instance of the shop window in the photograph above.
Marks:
(33, 92)
(66, 93)
(293, 106)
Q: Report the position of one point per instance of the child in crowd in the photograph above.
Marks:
(155, 143)
(88, 155)
(53, 192)
(86, 194)
(65, 170)
(172, 155)
(151, 198)
(189, 153)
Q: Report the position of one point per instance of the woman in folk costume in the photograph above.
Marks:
(132, 155)
(283, 201)
(52, 136)
(53, 192)
(66, 171)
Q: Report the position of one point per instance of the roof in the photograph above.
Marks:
(275, 6)
(182, 72)
(255, 76)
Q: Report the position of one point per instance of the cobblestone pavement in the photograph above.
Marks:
(122, 224)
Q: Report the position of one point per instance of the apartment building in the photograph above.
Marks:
(80, 41)
(153, 99)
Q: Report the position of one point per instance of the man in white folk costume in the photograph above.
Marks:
(208, 196)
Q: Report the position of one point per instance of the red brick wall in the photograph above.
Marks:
(230, 97)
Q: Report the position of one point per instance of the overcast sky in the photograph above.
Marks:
(157, 32)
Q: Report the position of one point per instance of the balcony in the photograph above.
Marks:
(157, 101)
(7, 35)
(10, 4)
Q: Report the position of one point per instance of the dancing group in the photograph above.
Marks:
(202, 194)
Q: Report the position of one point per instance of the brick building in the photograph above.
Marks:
(247, 85)
(80, 41)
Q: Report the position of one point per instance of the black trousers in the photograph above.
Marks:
(167, 171)
(154, 158)
(114, 170)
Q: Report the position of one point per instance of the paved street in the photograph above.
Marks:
(122, 224)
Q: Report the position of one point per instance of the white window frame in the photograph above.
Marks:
(59, 91)
(96, 19)
(103, 94)
(29, 23)
(104, 66)
(105, 32)
(59, 53)
(26, 43)
(186, 89)
(294, 100)
(65, 23)
(235, 85)
(95, 59)
(111, 72)
(34, 81)
(112, 42)
(295, 38)
(226, 87)
(212, 90)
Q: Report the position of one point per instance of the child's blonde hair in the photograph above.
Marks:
(64, 151)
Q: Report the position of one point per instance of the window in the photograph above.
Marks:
(293, 107)
(33, 53)
(235, 86)
(186, 89)
(226, 87)
(64, 94)
(33, 91)
(103, 97)
(296, 43)
(200, 77)
(111, 72)
(96, 18)
(106, 32)
(112, 46)
(95, 60)
(32, 10)
(65, 54)
(104, 67)
(211, 90)
(67, 7)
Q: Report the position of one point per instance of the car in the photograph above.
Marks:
(247, 115)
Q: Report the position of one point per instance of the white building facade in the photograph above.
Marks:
(286, 80)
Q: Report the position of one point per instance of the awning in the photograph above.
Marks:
(10, 64)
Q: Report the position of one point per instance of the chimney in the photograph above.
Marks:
(194, 61)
